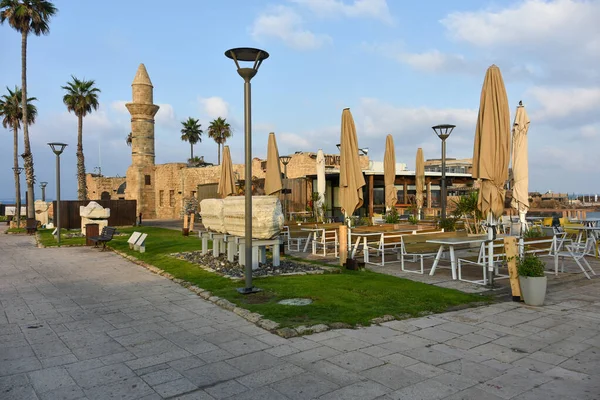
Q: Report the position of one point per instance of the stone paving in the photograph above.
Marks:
(76, 323)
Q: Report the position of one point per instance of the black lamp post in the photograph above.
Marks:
(256, 56)
(57, 148)
(443, 132)
(17, 171)
(43, 186)
(285, 160)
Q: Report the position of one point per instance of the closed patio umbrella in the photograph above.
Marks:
(491, 152)
(273, 176)
(389, 173)
(321, 182)
(419, 179)
(520, 165)
(351, 177)
(227, 182)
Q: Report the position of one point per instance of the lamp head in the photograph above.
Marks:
(443, 131)
(285, 160)
(247, 54)
(18, 170)
(57, 148)
(43, 184)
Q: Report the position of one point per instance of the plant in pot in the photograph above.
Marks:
(532, 279)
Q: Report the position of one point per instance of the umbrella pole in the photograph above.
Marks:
(522, 233)
(491, 237)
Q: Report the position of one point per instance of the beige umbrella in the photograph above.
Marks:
(491, 152)
(520, 165)
(389, 173)
(420, 179)
(227, 182)
(273, 176)
(351, 177)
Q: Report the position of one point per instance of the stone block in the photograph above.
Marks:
(267, 217)
(211, 211)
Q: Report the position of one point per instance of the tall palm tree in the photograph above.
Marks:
(191, 133)
(12, 115)
(81, 98)
(27, 16)
(219, 130)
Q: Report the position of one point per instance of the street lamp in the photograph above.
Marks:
(285, 160)
(443, 132)
(256, 56)
(57, 148)
(17, 171)
(43, 186)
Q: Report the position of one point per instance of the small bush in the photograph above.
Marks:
(534, 232)
(413, 220)
(448, 224)
(392, 216)
(530, 265)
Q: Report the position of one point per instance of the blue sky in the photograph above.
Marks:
(400, 66)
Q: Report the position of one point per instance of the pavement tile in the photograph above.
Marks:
(355, 361)
(243, 346)
(474, 393)
(534, 365)
(254, 361)
(399, 359)
(48, 379)
(271, 375)
(210, 374)
(312, 355)
(424, 390)
(364, 390)
(187, 363)
(282, 351)
(429, 356)
(393, 377)
(101, 376)
(334, 373)
(426, 370)
(161, 376)
(157, 359)
(263, 393)
(127, 389)
(477, 371)
(426, 322)
(17, 366)
(497, 352)
(304, 386)
(345, 343)
(174, 388)
(226, 389)
(514, 382)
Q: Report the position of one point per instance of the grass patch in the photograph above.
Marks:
(16, 230)
(48, 240)
(352, 297)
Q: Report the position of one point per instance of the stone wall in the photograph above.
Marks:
(96, 185)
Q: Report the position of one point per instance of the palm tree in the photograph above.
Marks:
(81, 98)
(27, 16)
(12, 115)
(191, 133)
(219, 130)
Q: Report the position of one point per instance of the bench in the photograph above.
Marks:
(105, 236)
(415, 247)
(384, 242)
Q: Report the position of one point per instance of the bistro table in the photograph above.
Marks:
(591, 222)
(450, 243)
(592, 236)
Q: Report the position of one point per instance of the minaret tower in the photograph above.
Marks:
(142, 112)
(140, 174)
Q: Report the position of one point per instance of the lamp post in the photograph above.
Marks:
(17, 171)
(285, 160)
(57, 148)
(443, 132)
(43, 186)
(256, 56)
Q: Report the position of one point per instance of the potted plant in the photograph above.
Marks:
(532, 279)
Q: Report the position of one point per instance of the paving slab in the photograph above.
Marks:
(79, 323)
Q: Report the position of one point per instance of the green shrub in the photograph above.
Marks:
(413, 220)
(534, 232)
(392, 216)
(448, 224)
(530, 265)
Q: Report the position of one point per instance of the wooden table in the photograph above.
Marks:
(450, 243)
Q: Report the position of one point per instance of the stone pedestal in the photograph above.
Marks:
(41, 211)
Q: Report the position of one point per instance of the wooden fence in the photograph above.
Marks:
(122, 212)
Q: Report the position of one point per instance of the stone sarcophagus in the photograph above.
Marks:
(93, 213)
(267, 217)
(211, 211)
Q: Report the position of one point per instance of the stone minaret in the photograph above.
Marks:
(142, 112)
(140, 175)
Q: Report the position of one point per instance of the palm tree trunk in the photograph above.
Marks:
(218, 153)
(17, 177)
(27, 156)
(81, 186)
(191, 151)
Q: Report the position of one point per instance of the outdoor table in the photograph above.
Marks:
(591, 222)
(451, 242)
(309, 237)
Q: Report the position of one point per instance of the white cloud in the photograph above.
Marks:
(166, 115)
(285, 24)
(561, 36)
(375, 9)
(214, 107)
(119, 106)
(566, 103)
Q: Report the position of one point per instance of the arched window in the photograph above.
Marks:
(105, 196)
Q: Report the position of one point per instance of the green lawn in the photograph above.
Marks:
(47, 239)
(352, 297)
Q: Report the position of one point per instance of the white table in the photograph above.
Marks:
(592, 236)
(451, 242)
(591, 222)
